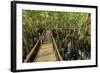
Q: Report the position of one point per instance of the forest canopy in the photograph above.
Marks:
(49, 19)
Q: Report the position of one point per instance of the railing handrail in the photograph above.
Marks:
(56, 49)
(33, 49)
(31, 52)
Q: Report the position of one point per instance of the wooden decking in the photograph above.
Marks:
(47, 51)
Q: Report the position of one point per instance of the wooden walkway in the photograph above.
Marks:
(47, 51)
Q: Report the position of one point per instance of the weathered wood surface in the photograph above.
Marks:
(46, 53)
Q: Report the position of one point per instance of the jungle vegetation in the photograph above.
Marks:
(71, 30)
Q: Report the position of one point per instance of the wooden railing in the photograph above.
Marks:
(39, 42)
(31, 52)
(35, 49)
(59, 57)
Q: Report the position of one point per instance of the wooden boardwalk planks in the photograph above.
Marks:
(46, 53)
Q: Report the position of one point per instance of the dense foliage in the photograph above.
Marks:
(68, 28)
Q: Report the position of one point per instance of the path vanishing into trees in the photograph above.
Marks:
(47, 51)
(53, 35)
